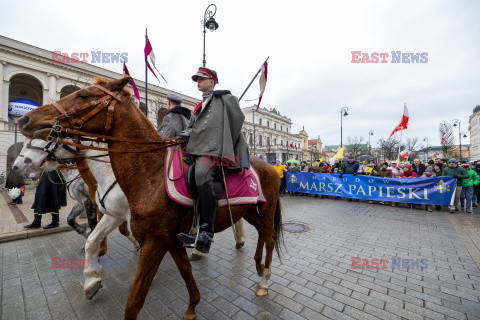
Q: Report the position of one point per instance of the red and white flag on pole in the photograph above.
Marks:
(404, 123)
(404, 153)
(132, 83)
(444, 138)
(263, 82)
(149, 53)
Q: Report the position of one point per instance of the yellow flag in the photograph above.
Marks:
(339, 154)
(321, 159)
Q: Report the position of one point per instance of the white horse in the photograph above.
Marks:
(31, 154)
(114, 204)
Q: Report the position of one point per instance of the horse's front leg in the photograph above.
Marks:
(150, 258)
(179, 255)
(77, 209)
(92, 273)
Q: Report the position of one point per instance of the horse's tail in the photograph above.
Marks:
(278, 227)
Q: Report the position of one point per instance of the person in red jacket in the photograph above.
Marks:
(408, 172)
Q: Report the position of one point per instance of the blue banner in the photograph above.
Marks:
(438, 190)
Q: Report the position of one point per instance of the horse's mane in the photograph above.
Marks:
(102, 81)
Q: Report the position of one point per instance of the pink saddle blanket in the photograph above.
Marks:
(243, 187)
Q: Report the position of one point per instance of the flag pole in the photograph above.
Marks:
(400, 143)
(252, 80)
(146, 77)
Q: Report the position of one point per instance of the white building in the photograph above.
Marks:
(31, 73)
(269, 135)
(474, 128)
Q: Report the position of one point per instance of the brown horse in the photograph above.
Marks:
(155, 218)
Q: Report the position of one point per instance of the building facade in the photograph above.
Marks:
(474, 128)
(269, 135)
(31, 73)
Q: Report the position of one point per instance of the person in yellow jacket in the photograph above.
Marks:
(280, 170)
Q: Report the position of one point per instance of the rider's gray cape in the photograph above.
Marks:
(216, 130)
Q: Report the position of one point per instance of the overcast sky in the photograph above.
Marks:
(310, 71)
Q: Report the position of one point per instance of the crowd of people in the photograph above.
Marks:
(467, 174)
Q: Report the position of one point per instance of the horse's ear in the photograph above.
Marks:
(118, 85)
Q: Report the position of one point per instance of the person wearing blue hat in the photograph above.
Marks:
(458, 173)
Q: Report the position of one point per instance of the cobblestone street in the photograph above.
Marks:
(314, 281)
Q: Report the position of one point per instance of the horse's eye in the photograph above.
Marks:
(82, 97)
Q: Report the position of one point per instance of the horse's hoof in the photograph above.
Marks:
(260, 270)
(195, 257)
(261, 292)
(240, 245)
(90, 292)
(189, 315)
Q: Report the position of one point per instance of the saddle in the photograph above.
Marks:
(243, 186)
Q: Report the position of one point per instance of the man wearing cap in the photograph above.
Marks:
(214, 136)
(458, 173)
(176, 119)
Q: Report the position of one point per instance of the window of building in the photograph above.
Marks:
(281, 142)
(260, 121)
(281, 128)
(260, 140)
(250, 140)
(275, 141)
(268, 123)
(274, 126)
(268, 141)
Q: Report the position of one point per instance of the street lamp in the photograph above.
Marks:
(370, 133)
(455, 123)
(15, 121)
(343, 112)
(209, 24)
(426, 139)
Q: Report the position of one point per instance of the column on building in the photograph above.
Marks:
(45, 96)
(3, 106)
(5, 89)
(52, 88)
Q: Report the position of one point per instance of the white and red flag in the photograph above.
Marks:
(132, 83)
(444, 138)
(404, 123)
(263, 82)
(405, 153)
(149, 53)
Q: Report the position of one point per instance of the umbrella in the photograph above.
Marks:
(293, 161)
(365, 157)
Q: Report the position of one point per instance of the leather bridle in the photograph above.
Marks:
(108, 101)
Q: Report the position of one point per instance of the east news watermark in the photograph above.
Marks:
(95, 263)
(393, 263)
(389, 57)
(89, 57)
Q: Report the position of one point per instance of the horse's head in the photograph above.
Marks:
(37, 154)
(39, 122)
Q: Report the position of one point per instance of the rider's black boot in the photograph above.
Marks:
(207, 208)
(55, 221)
(37, 222)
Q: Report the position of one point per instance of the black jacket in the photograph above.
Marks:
(419, 170)
(350, 168)
(51, 193)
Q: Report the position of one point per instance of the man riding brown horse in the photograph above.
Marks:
(214, 136)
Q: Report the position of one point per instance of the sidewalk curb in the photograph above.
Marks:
(36, 233)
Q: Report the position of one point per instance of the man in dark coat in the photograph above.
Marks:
(50, 196)
(350, 167)
(176, 119)
(216, 139)
(418, 167)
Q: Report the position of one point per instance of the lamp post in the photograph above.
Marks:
(426, 139)
(209, 24)
(455, 123)
(370, 133)
(15, 150)
(343, 112)
(464, 135)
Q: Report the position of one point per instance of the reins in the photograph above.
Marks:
(108, 101)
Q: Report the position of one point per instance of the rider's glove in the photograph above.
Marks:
(183, 135)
